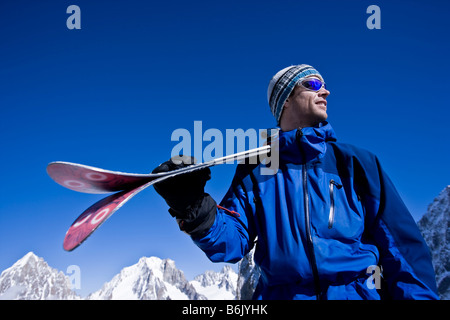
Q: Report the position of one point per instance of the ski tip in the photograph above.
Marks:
(55, 164)
(70, 242)
(68, 248)
(61, 162)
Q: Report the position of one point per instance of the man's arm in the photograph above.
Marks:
(231, 236)
(221, 231)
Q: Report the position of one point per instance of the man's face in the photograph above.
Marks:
(305, 107)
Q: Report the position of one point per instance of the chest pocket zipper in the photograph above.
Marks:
(332, 202)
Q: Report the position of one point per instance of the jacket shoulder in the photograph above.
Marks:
(347, 160)
(348, 150)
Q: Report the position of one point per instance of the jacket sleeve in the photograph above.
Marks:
(404, 256)
(232, 234)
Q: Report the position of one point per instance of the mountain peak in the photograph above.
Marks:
(30, 257)
(30, 278)
(150, 279)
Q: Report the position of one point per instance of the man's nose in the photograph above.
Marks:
(323, 93)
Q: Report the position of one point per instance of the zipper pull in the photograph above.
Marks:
(338, 185)
(332, 202)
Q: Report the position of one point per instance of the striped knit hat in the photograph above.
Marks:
(282, 84)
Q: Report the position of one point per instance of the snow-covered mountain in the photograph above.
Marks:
(30, 278)
(149, 279)
(156, 279)
(435, 227)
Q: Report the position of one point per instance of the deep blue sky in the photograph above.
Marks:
(112, 93)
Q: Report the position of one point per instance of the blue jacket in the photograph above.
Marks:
(326, 221)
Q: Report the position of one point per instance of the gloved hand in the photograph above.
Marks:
(194, 209)
(183, 191)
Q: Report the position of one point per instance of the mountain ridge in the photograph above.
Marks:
(151, 278)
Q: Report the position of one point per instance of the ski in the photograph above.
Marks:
(96, 215)
(88, 179)
(99, 212)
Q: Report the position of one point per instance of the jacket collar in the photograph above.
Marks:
(306, 144)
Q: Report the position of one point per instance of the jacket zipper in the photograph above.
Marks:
(309, 239)
(332, 205)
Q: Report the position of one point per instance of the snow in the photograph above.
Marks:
(175, 294)
(213, 292)
(12, 292)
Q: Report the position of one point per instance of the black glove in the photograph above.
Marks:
(194, 209)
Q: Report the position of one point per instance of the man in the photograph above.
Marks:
(326, 220)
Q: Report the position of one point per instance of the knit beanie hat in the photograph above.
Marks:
(282, 84)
